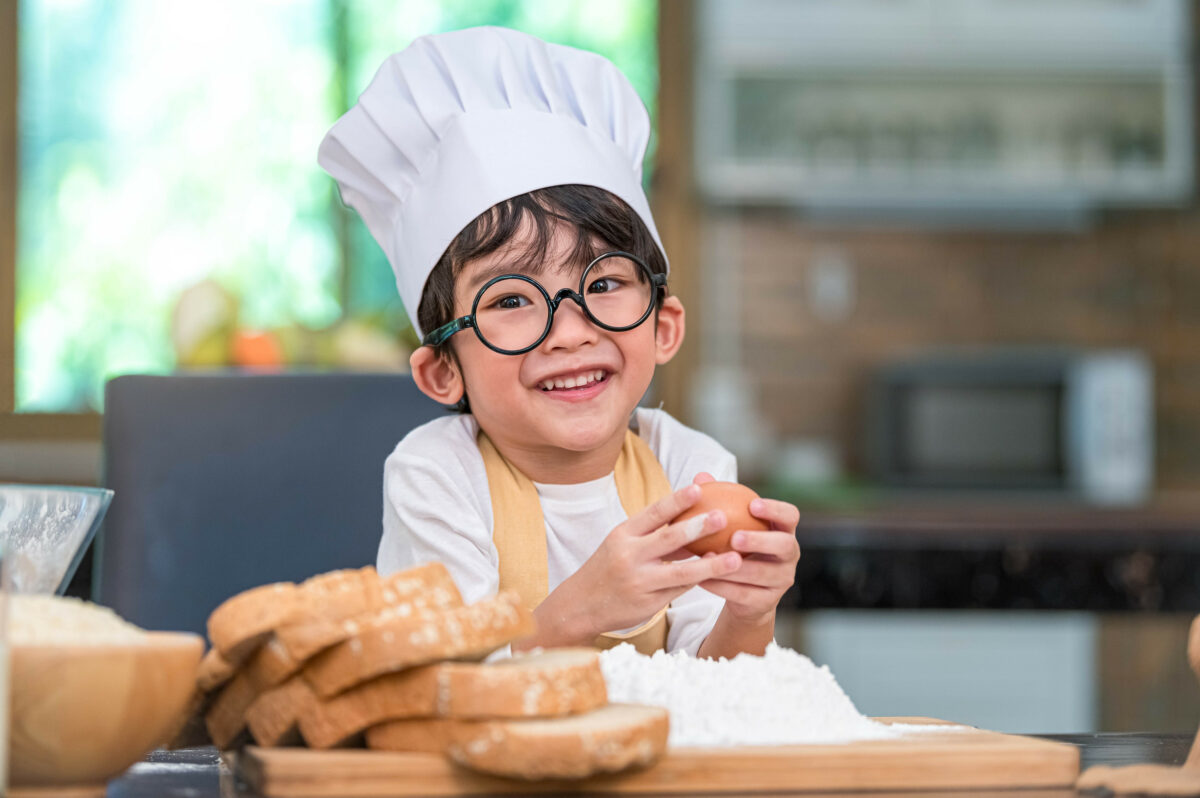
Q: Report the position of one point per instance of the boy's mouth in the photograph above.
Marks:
(574, 381)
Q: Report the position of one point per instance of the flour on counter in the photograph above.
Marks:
(37, 620)
(779, 698)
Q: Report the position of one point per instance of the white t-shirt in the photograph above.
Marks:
(436, 506)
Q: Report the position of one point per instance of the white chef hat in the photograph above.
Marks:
(458, 122)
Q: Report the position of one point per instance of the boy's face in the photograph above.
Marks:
(510, 394)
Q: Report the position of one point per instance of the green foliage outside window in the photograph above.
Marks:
(169, 148)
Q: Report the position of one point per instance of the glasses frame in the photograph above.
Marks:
(657, 283)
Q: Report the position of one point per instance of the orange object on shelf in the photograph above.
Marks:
(257, 350)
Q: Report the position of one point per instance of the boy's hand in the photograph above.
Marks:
(639, 568)
(768, 563)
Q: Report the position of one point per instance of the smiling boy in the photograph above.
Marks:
(502, 175)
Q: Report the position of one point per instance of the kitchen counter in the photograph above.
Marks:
(198, 772)
(1002, 554)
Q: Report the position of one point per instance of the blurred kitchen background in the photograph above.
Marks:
(941, 260)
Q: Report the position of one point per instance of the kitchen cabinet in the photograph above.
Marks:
(1023, 113)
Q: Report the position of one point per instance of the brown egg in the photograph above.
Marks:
(733, 500)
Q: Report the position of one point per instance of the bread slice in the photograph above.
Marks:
(426, 735)
(328, 601)
(268, 667)
(273, 718)
(542, 684)
(213, 671)
(242, 622)
(332, 618)
(268, 662)
(226, 717)
(605, 740)
(271, 665)
(335, 721)
(391, 641)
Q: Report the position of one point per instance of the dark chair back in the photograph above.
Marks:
(225, 481)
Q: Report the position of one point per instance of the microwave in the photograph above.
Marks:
(1063, 422)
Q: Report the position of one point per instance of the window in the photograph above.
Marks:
(170, 209)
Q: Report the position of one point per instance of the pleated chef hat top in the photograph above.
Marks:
(458, 122)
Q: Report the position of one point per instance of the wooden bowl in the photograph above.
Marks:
(82, 714)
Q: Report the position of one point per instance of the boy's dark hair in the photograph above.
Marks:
(600, 221)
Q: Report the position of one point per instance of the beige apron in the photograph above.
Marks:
(519, 528)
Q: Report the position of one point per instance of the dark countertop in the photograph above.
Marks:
(966, 521)
(198, 772)
(1000, 553)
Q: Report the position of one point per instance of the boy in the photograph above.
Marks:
(502, 177)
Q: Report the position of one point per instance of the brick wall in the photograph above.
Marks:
(1131, 280)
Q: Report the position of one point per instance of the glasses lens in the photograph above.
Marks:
(511, 314)
(618, 291)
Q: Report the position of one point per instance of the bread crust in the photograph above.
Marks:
(329, 621)
(242, 622)
(213, 671)
(273, 718)
(226, 718)
(606, 740)
(411, 693)
(544, 684)
(392, 641)
(426, 735)
(562, 681)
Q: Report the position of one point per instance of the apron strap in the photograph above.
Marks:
(519, 528)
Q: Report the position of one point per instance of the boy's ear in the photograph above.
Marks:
(438, 377)
(669, 330)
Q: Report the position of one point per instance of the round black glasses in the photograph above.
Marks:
(512, 313)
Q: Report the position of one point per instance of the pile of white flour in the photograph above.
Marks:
(779, 698)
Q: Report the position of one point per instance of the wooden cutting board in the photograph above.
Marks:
(960, 758)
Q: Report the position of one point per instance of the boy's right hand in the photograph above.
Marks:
(638, 569)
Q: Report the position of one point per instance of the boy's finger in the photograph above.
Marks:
(669, 539)
(781, 545)
(703, 477)
(738, 593)
(762, 573)
(700, 569)
(783, 515)
(662, 511)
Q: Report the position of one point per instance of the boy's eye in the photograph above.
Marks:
(510, 302)
(603, 285)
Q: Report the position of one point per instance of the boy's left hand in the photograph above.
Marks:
(769, 560)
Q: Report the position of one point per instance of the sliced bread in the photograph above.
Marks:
(411, 693)
(213, 671)
(541, 684)
(605, 740)
(225, 719)
(271, 665)
(544, 683)
(227, 715)
(274, 716)
(330, 621)
(242, 622)
(391, 641)
(426, 735)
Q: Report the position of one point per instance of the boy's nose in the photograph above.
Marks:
(571, 327)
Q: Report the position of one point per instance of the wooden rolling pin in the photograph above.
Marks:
(1154, 779)
(1193, 760)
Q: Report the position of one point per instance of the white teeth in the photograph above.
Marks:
(572, 382)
